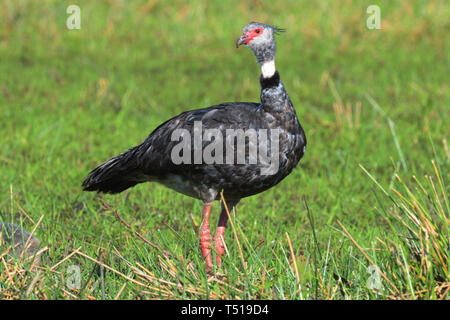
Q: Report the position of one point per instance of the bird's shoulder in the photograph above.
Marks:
(229, 114)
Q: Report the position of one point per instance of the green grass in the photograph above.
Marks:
(374, 105)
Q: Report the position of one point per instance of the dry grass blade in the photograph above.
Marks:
(28, 242)
(120, 219)
(119, 293)
(33, 283)
(367, 257)
(294, 259)
(234, 232)
(65, 258)
(121, 274)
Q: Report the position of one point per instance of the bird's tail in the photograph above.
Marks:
(115, 175)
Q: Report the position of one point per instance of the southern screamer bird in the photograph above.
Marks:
(237, 148)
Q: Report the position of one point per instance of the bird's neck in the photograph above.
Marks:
(274, 98)
(264, 54)
(268, 69)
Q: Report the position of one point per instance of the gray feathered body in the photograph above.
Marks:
(151, 160)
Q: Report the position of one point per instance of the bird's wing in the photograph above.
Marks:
(154, 154)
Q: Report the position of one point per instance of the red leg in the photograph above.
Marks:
(219, 242)
(219, 237)
(205, 237)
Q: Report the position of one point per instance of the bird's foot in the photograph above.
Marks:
(205, 247)
(219, 245)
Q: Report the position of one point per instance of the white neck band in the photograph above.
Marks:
(268, 69)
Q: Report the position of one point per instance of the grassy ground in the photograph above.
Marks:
(366, 213)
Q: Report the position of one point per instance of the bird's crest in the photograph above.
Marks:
(278, 30)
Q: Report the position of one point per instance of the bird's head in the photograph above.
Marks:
(260, 38)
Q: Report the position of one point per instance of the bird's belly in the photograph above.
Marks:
(177, 183)
(189, 187)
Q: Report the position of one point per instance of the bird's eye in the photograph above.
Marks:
(258, 31)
